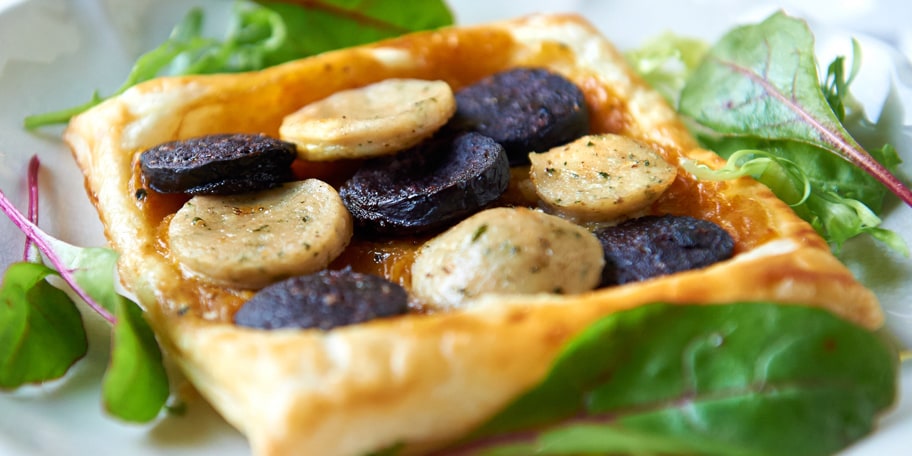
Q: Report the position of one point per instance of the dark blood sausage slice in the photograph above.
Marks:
(434, 184)
(323, 300)
(223, 164)
(525, 110)
(652, 246)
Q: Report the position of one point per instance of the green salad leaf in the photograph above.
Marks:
(758, 89)
(41, 331)
(339, 23)
(734, 379)
(92, 268)
(135, 385)
(263, 34)
(666, 61)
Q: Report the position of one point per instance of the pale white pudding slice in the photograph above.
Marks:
(254, 239)
(506, 250)
(378, 119)
(600, 177)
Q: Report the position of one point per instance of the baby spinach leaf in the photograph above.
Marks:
(41, 331)
(736, 379)
(135, 385)
(761, 81)
(262, 34)
(321, 26)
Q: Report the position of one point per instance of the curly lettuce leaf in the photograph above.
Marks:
(666, 61)
(836, 84)
(837, 218)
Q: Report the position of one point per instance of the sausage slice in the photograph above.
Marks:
(432, 185)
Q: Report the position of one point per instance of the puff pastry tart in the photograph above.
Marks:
(431, 375)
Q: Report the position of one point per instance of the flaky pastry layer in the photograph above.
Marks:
(422, 379)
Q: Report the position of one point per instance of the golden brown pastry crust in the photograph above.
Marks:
(423, 379)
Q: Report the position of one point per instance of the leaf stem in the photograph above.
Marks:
(40, 239)
(35, 121)
(33, 166)
(868, 164)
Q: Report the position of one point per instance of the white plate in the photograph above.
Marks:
(53, 53)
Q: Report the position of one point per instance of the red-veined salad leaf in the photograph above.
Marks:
(843, 200)
(735, 379)
(41, 329)
(761, 82)
(263, 34)
(319, 26)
